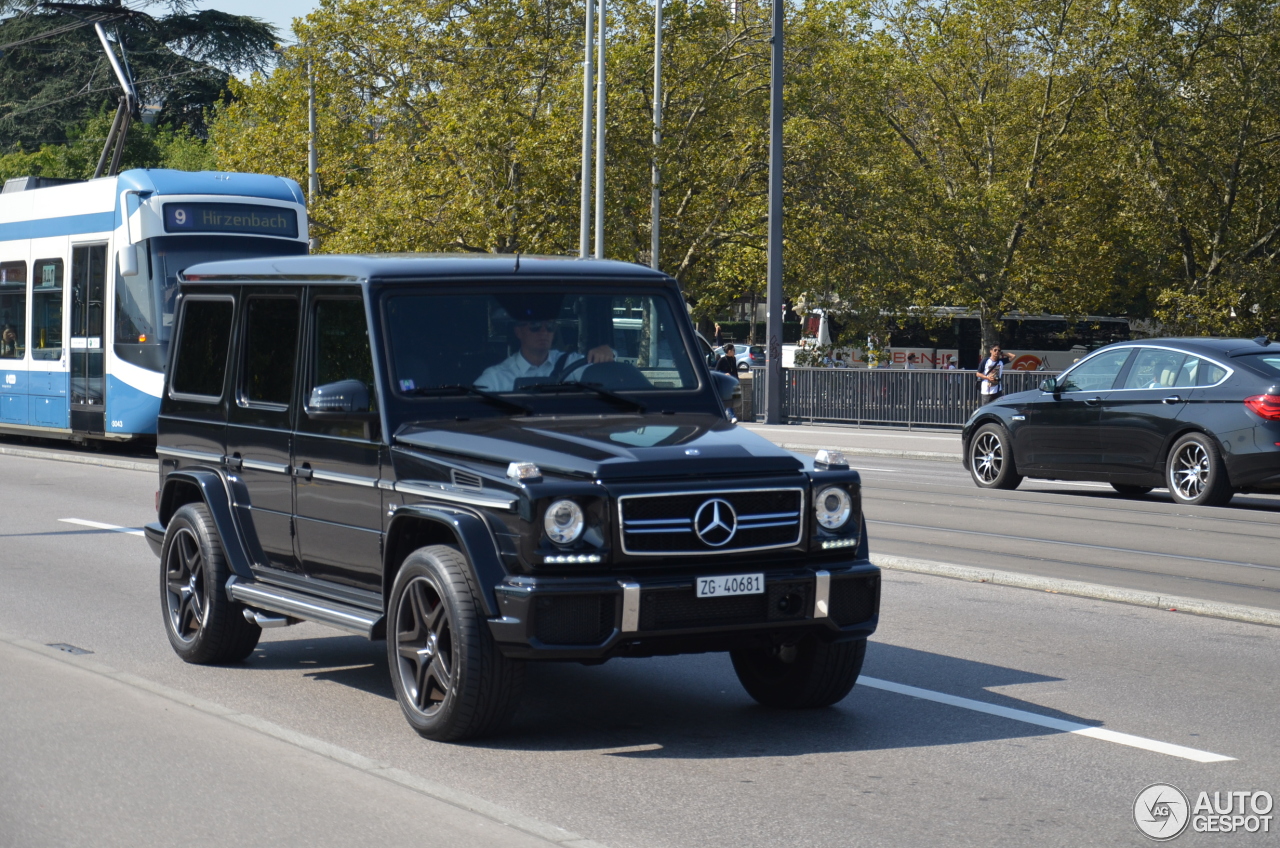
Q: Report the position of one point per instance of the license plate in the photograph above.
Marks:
(734, 584)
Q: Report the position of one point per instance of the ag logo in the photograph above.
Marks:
(715, 522)
(1161, 811)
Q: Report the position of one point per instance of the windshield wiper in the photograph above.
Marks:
(574, 385)
(459, 389)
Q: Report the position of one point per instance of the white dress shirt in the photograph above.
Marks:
(502, 377)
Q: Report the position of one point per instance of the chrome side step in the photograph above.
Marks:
(297, 605)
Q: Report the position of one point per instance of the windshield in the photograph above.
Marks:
(144, 303)
(536, 341)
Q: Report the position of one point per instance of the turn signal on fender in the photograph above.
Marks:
(1264, 406)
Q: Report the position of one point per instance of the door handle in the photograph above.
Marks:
(1093, 401)
(1172, 399)
(304, 472)
(235, 462)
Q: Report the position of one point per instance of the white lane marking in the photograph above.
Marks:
(1045, 721)
(98, 525)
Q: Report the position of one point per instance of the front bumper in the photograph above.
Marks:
(599, 617)
(154, 534)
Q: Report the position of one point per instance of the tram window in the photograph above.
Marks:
(201, 364)
(13, 310)
(46, 309)
(271, 341)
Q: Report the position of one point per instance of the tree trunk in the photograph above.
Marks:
(751, 336)
(990, 333)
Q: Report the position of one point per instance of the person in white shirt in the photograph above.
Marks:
(536, 358)
(990, 372)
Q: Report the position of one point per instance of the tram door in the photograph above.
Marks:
(88, 289)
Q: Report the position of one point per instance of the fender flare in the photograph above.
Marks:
(472, 535)
(213, 491)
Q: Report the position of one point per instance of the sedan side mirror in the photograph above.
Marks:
(1049, 385)
(343, 397)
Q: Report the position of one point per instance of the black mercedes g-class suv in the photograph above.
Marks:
(486, 461)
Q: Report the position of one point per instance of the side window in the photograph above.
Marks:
(1208, 373)
(46, 309)
(13, 310)
(1154, 368)
(1097, 374)
(271, 343)
(204, 340)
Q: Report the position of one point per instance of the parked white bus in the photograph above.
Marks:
(88, 278)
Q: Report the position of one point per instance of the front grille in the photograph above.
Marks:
(680, 609)
(574, 619)
(654, 525)
(853, 601)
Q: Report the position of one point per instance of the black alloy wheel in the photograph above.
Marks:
(1195, 472)
(990, 459)
(810, 673)
(451, 680)
(1131, 491)
(203, 624)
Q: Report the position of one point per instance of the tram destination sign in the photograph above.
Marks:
(230, 218)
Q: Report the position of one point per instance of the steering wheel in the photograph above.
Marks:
(615, 376)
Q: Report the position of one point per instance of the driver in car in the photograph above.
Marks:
(536, 358)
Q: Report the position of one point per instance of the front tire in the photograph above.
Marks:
(203, 624)
(811, 673)
(1195, 472)
(990, 459)
(449, 677)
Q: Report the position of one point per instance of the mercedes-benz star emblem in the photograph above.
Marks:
(715, 522)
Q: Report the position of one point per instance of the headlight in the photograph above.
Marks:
(564, 522)
(833, 506)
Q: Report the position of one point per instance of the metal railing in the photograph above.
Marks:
(882, 396)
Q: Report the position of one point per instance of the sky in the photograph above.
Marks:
(279, 13)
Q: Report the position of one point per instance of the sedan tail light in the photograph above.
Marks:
(1265, 406)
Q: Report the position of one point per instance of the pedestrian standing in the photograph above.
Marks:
(911, 362)
(719, 335)
(949, 364)
(990, 372)
(728, 364)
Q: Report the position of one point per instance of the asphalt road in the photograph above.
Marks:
(987, 715)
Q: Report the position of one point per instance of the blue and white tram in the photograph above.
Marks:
(88, 278)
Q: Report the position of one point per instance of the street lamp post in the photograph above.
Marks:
(773, 365)
(600, 104)
(655, 225)
(588, 83)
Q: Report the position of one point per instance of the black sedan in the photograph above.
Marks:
(1200, 417)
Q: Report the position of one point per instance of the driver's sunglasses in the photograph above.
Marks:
(541, 326)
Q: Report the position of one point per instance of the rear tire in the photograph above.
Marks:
(203, 624)
(1195, 472)
(451, 680)
(811, 673)
(990, 459)
(1131, 491)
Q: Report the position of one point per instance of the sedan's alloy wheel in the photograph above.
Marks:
(1191, 468)
(988, 457)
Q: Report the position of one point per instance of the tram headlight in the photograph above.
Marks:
(564, 522)
(833, 507)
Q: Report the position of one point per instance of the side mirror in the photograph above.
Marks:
(726, 386)
(342, 397)
(1049, 385)
(129, 261)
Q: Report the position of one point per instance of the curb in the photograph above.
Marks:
(1195, 606)
(437, 791)
(81, 459)
(882, 452)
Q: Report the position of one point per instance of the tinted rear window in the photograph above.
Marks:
(202, 348)
(1266, 363)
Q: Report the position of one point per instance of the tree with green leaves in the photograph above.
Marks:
(56, 81)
